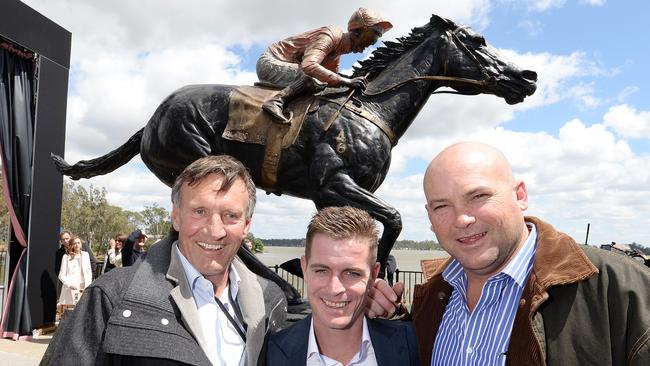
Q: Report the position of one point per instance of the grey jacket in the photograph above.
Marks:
(145, 315)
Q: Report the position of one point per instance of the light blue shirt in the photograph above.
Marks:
(225, 346)
(482, 336)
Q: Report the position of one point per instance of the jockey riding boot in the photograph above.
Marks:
(275, 105)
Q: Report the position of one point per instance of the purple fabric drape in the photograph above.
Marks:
(16, 147)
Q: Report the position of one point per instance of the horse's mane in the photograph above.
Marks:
(383, 56)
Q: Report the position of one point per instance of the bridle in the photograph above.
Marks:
(453, 38)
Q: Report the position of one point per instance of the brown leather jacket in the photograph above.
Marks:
(318, 52)
(581, 306)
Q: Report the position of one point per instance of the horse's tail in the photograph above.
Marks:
(103, 164)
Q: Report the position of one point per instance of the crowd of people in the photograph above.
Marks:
(76, 265)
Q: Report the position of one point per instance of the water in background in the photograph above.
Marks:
(407, 260)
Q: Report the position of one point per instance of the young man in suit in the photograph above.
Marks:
(339, 268)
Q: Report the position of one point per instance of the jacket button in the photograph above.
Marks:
(441, 295)
(126, 313)
(164, 321)
(522, 303)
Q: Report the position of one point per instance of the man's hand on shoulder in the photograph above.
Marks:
(384, 301)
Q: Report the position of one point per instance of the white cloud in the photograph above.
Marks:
(627, 122)
(627, 92)
(543, 5)
(593, 2)
(583, 93)
(556, 73)
(532, 27)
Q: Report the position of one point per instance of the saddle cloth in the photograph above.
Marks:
(247, 122)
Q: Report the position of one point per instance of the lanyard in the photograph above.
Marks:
(238, 314)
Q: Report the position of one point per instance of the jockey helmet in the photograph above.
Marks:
(365, 18)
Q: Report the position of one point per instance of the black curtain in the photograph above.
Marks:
(17, 105)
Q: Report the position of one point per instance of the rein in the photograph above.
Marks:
(453, 38)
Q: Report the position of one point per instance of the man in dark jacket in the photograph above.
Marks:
(524, 293)
(190, 301)
(339, 268)
(134, 248)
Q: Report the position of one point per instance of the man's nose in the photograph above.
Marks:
(216, 228)
(464, 219)
(335, 285)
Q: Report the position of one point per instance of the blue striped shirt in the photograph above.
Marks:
(482, 336)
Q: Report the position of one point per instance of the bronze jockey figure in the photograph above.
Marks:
(309, 61)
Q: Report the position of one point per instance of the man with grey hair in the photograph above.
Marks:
(190, 301)
(340, 266)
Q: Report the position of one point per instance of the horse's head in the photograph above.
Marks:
(474, 67)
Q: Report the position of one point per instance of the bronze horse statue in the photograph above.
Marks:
(342, 153)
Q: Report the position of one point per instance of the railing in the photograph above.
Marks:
(408, 278)
(295, 281)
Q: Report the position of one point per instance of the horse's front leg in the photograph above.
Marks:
(341, 190)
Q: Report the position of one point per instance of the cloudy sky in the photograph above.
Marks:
(581, 142)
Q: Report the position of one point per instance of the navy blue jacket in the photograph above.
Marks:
(394, 343)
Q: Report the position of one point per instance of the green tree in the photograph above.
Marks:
(258, 244)
(87, 214)
(156, 219)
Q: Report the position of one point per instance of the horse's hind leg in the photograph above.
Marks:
(341, 190)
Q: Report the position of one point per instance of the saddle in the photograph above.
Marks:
(248, 123)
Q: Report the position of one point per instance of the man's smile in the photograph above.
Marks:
(335, 304)
(471, 239)
(207, 246)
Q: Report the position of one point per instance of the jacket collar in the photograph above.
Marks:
(388, 351)
(558, 261)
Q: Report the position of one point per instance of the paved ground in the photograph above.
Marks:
(23, 353)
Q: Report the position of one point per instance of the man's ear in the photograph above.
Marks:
(521, 193)
(175, 220)
(247, 226)
(303, 265)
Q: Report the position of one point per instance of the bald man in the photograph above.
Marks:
(515, 290)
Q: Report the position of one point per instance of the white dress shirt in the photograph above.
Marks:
(365, 356)
(225, 347)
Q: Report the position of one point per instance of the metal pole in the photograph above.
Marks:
(587, 238)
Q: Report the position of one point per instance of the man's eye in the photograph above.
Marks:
(199, 211)
(438, 207)
(231, 217)
(479, 196)
(353, 274)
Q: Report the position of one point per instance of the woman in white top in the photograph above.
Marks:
(75, 273)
